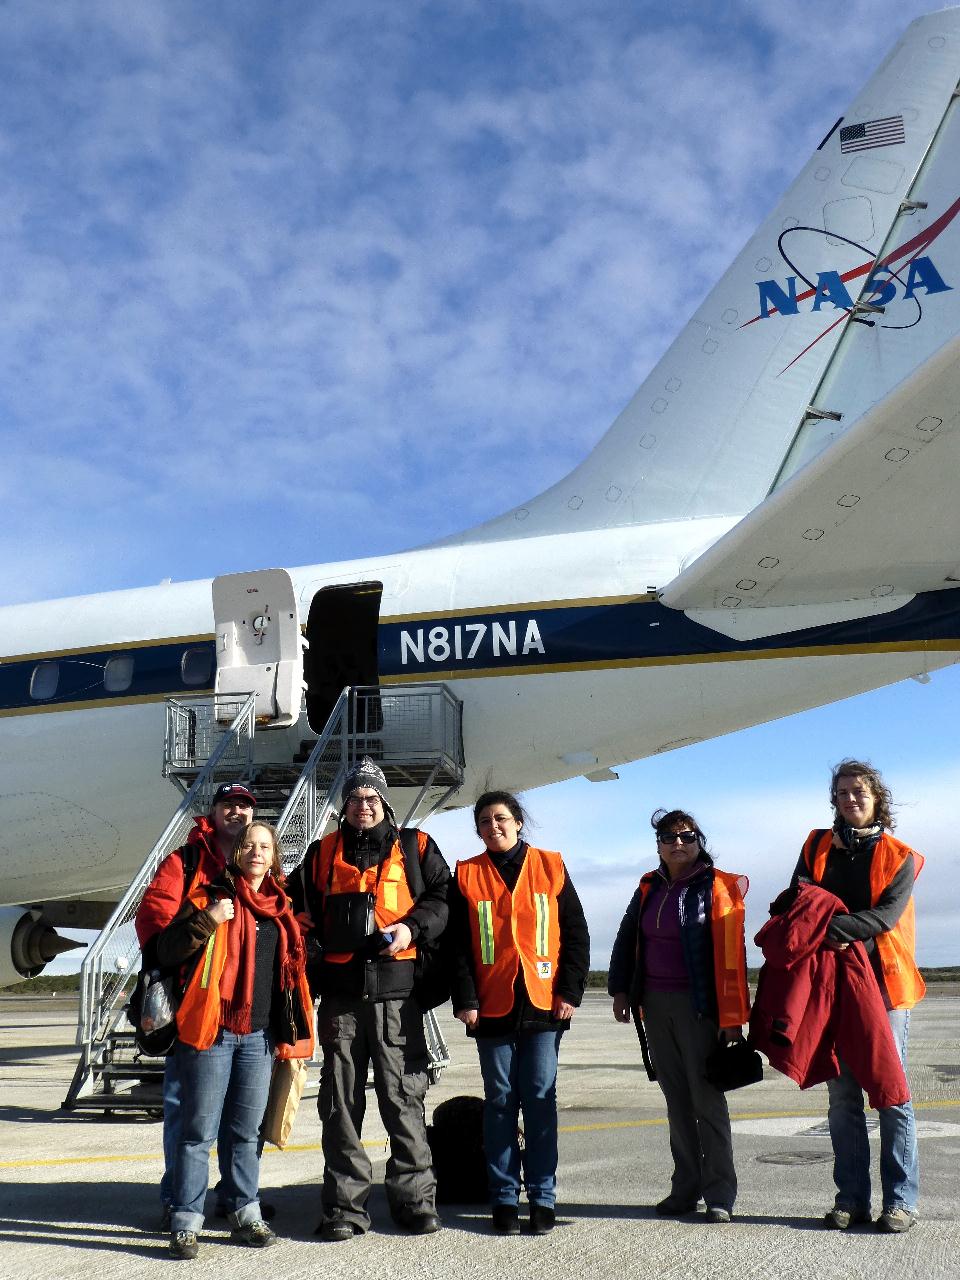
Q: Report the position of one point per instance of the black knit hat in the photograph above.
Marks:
(367, 774)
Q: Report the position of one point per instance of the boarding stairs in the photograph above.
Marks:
(414, 733)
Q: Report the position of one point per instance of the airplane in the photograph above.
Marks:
(768, 526)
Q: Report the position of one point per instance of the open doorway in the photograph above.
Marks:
(342, 631)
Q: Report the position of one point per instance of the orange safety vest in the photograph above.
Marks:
(896, 948)
(513, 929)
(198, 1018)
(393, 898)
(727, 912)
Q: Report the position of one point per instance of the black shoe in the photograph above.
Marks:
(506, 1219)
(673, 1207)
(338, 1228)
(419, 1222)
(542, 1219)
(267, 1211)
(256, 1234)
(183, 1244)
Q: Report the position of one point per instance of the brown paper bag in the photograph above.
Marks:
(286, 1089)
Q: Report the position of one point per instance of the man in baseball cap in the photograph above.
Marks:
(208, 850)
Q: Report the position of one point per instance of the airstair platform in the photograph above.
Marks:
(414, 733)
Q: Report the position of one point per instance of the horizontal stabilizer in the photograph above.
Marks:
(873, 517)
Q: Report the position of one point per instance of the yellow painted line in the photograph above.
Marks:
(604, 1126)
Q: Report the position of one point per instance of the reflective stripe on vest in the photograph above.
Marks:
(393, 900)
(896, 949)
(510, 930)
(485, 923)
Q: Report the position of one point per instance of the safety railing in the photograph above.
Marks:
(114, 954)
(413, 732)
(198, 726)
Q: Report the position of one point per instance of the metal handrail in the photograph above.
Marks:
(408, 724)
(117, 943)
(310, 806)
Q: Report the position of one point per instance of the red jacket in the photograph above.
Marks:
(813, 1003)
(168, 889)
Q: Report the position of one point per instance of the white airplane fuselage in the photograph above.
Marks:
(564, 660)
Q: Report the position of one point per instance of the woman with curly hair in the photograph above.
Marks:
(872, 873)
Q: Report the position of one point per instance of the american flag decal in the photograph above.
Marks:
(872, 133)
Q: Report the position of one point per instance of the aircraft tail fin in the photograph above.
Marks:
(851, 283)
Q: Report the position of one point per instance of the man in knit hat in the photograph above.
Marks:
(371, 895)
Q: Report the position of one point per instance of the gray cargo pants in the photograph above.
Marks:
(388, 1034)
(700, 1139)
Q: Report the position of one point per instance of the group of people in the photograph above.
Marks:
(373, 914)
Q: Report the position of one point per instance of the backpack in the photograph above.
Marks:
(159, 989)
(456, 1146)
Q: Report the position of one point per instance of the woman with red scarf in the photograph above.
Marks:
(246, 993)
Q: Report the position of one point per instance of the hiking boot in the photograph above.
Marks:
(184, 1244)
(894, 1221)
(256, 1234)
(837, 1219)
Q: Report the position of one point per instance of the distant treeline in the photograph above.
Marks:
(64, 983)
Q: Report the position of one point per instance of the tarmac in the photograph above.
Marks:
(78, 1195)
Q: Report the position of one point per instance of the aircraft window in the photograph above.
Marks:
(45, 678)
(118, 674)
(196, 666)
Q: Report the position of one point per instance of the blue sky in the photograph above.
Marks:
(289, 282)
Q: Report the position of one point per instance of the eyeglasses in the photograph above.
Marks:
(685, 837)
(370, 802)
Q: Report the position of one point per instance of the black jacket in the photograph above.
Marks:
(694, 903)
(572, 966)
(371, 976)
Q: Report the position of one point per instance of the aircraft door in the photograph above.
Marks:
(342, 628)
(259, 644)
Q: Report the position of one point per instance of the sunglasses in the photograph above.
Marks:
(685, 837)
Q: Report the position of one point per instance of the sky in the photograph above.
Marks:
(294, 281)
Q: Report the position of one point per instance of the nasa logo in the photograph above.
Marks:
(880, 289)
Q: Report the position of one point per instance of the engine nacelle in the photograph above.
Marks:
(27, 944)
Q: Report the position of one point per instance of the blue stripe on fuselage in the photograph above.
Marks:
(598, 634)
(591, 634)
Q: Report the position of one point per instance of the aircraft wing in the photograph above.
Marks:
(875, 517)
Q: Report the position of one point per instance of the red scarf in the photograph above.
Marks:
(236, 981)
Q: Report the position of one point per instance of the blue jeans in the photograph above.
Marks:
(232, 1079)
(899, 1157)
(520, 1074)
(171, 1127)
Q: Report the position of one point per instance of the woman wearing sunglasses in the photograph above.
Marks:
(678, 967)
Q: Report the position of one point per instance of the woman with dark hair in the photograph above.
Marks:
(521, 956)
(679, 964)
(872, 874)
(246, 994)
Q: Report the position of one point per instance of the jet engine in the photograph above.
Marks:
(27, 944)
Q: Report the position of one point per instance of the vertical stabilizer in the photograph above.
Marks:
(709, 431)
